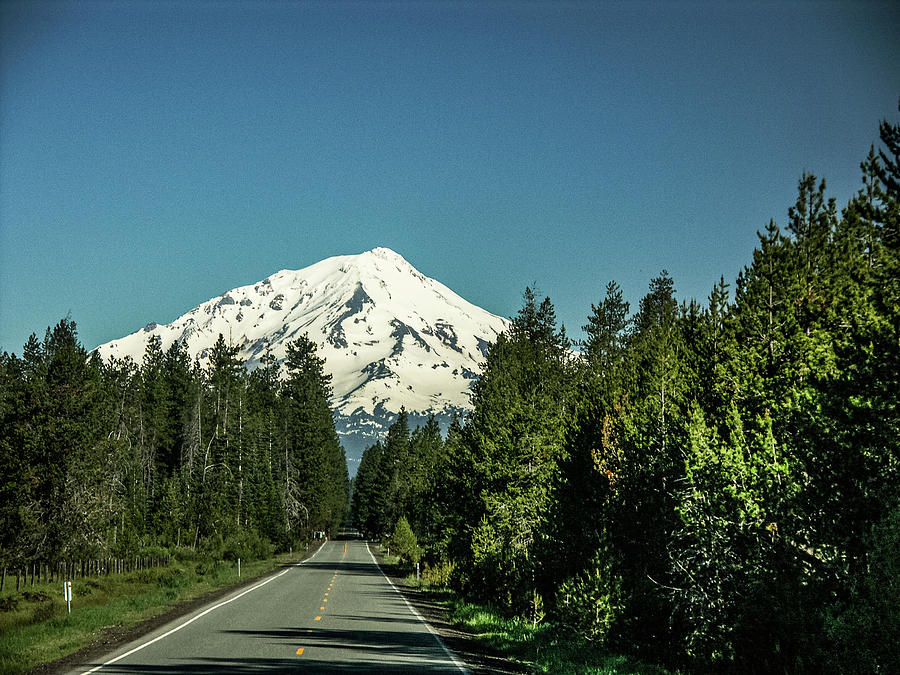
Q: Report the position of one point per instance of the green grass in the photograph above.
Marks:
(546, 648)
(35, 627)
(391, 561)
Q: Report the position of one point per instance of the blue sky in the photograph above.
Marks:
(156, 154)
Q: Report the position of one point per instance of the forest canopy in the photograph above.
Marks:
(107, 459)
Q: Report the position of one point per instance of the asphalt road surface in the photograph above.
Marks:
(335, 612)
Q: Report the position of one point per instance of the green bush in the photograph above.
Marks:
(205, 566)
(9, 604)
(36, 596)
(438, 574)
(42, 612)
(187, 554)
(153, 552)
(171, 577)
(246, 546)
(213, 546)
(403, 542)
(590, 602)
(863, 631)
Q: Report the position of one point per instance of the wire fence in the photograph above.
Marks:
(67, 570)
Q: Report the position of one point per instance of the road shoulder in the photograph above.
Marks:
(478, 659)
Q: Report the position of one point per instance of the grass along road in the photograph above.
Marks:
(107, 611)
(490, 643)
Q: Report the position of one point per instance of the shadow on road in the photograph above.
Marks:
(299, 664)
(362, 651)
(342, 567)
(388, 642)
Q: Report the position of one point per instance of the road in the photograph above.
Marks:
(335, 612)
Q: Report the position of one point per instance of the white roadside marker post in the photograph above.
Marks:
(67, 594)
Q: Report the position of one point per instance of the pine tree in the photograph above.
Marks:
(394, 468)
(14, 470)
(577, 527)
(264, 503)
(217, 497)
(425, 456)
(640, 446)
(154, 433)
(725, 547)
(515, 443)
(656, 368)
(604, 347)
(366, 516)
(765, 296)
(452, 499)
(65, 415)
(403, 542)
(316, 470)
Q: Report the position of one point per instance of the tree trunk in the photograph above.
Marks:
(240, 462)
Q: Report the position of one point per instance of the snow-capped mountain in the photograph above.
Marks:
(390, 336)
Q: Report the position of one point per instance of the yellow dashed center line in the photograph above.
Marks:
(324, 600)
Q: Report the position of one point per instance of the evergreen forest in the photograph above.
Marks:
(708, 486)
(119, 459)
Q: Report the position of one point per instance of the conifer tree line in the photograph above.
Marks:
(711, 486)
(101, 459)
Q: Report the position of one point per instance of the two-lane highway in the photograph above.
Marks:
(334, 613)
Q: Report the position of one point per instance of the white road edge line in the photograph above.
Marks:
(203, 613)
(456, 662)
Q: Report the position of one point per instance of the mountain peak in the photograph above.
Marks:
(385, 261)
(385, 253)
(391, 337)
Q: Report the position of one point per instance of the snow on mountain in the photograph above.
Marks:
(390, 336)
